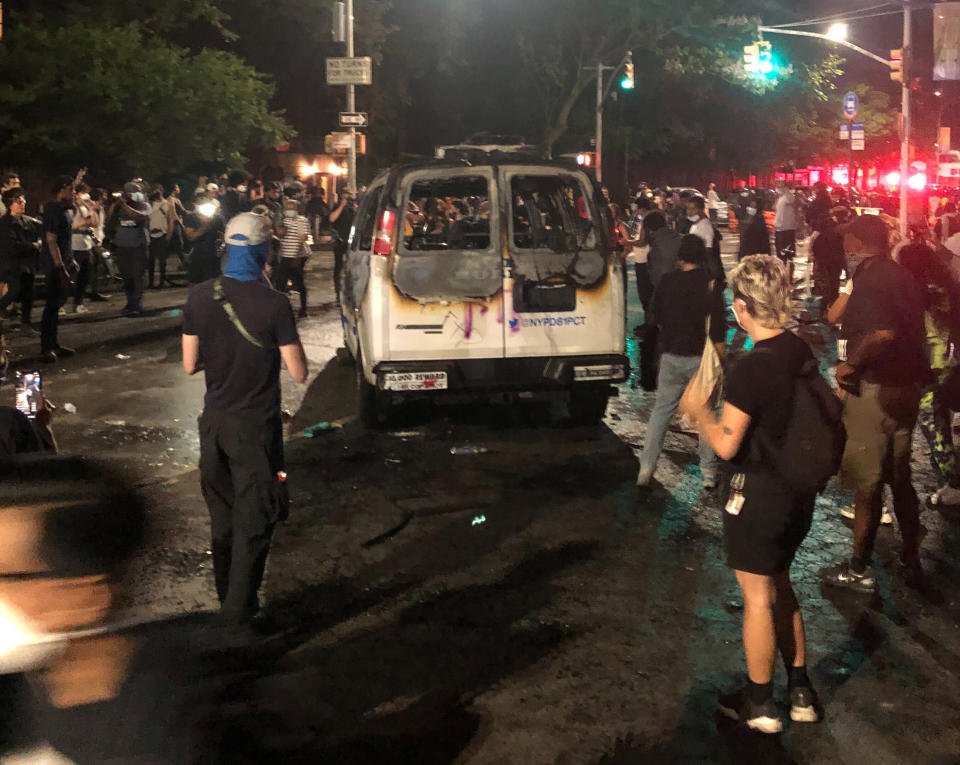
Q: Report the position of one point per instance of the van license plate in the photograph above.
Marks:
(415, 381)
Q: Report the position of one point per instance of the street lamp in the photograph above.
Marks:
(837, 32)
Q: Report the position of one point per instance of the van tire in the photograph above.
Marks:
(588, 404)
(373, 405)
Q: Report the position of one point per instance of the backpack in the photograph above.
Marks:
(811, 450)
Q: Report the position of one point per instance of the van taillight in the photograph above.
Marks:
(384, 239)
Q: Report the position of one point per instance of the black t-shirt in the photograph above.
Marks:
(233, 203)
(207, 244)
(886, 297)
(241, 378)
(344, 223)
(681, 303)
(57, 220)
(761, 383)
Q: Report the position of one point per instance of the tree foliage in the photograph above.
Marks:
(128, 103)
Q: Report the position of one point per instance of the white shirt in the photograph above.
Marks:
(785, 218)
(713, 200)
(704, 229)
(294, 230)
(82, 242)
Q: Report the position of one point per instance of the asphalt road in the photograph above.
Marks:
(521, 606)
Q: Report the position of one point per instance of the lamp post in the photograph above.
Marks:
(351, 107)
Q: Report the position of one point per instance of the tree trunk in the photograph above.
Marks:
(560, 125)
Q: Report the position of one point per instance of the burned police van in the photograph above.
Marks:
(487, 274)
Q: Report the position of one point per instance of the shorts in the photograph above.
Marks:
(763, 539)
(879, 424)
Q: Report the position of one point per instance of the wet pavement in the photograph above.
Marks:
(526, 605)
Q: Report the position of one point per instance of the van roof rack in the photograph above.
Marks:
(484, 146)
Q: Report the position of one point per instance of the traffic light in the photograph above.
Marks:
(764, 58)
(751, 58)
(628, 82)
(896, 65)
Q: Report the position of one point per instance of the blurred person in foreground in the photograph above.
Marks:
(765, 518)
(69, 527)
(236, 328)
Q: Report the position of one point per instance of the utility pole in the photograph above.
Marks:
(905, 110)
(599, 138)
(351, 107)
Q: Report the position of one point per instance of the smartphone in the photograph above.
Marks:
(28, 393)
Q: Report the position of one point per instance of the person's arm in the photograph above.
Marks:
(335, 215)
(724, 434)
(195, 233)
(294, 359)
(44, 426)
(837, 308)
(138, 216)
(718, 321)
(54, 249)
(872, 346)
(191, 354)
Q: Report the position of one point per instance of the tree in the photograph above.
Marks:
(128, 104)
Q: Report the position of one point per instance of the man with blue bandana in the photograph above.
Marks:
(236, 328)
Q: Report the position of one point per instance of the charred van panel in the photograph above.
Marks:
(433, 276)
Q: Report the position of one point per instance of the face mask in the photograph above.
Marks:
(751, 211)
(633, 207)
(289, 213)
(242, 189)
(137, 196)
(736, 316)
(693, 218)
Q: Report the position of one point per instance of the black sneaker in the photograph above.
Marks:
(759, 717)
(844, 576)
(804, 705)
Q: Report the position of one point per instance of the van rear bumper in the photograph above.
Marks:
(519, 374)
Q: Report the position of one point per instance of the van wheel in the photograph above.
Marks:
(588, 404)
(373, 405)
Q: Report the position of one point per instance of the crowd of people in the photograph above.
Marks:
(894, 307)
(86, 235)
(772, 442)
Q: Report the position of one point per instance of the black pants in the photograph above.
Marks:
(239, 460)
(85, 262)
(159, 250)
(49, 322)
(644, 288)
(19, 289)
(132, 262)
(828, 264)
(339, 256)
(291, 269)
(784, 240)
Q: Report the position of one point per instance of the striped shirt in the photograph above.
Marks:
(294, 230)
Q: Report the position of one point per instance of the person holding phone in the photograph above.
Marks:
(21, 433)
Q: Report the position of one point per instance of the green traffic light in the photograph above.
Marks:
(627, 83)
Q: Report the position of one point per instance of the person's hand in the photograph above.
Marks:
(847, 376)
(45, 412)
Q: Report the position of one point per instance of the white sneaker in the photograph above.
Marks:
(945, 496)
(62, 312)
(81, 309)
(886, 517)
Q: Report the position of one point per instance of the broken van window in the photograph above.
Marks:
(551, 212)
(451, 213)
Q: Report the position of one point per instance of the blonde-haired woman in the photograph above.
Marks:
(765, 520)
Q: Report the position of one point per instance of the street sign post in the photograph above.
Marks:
(340, 143)
(857, 136)
(851, 104)
(845, 131)
(354, 119)
(350, 71)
